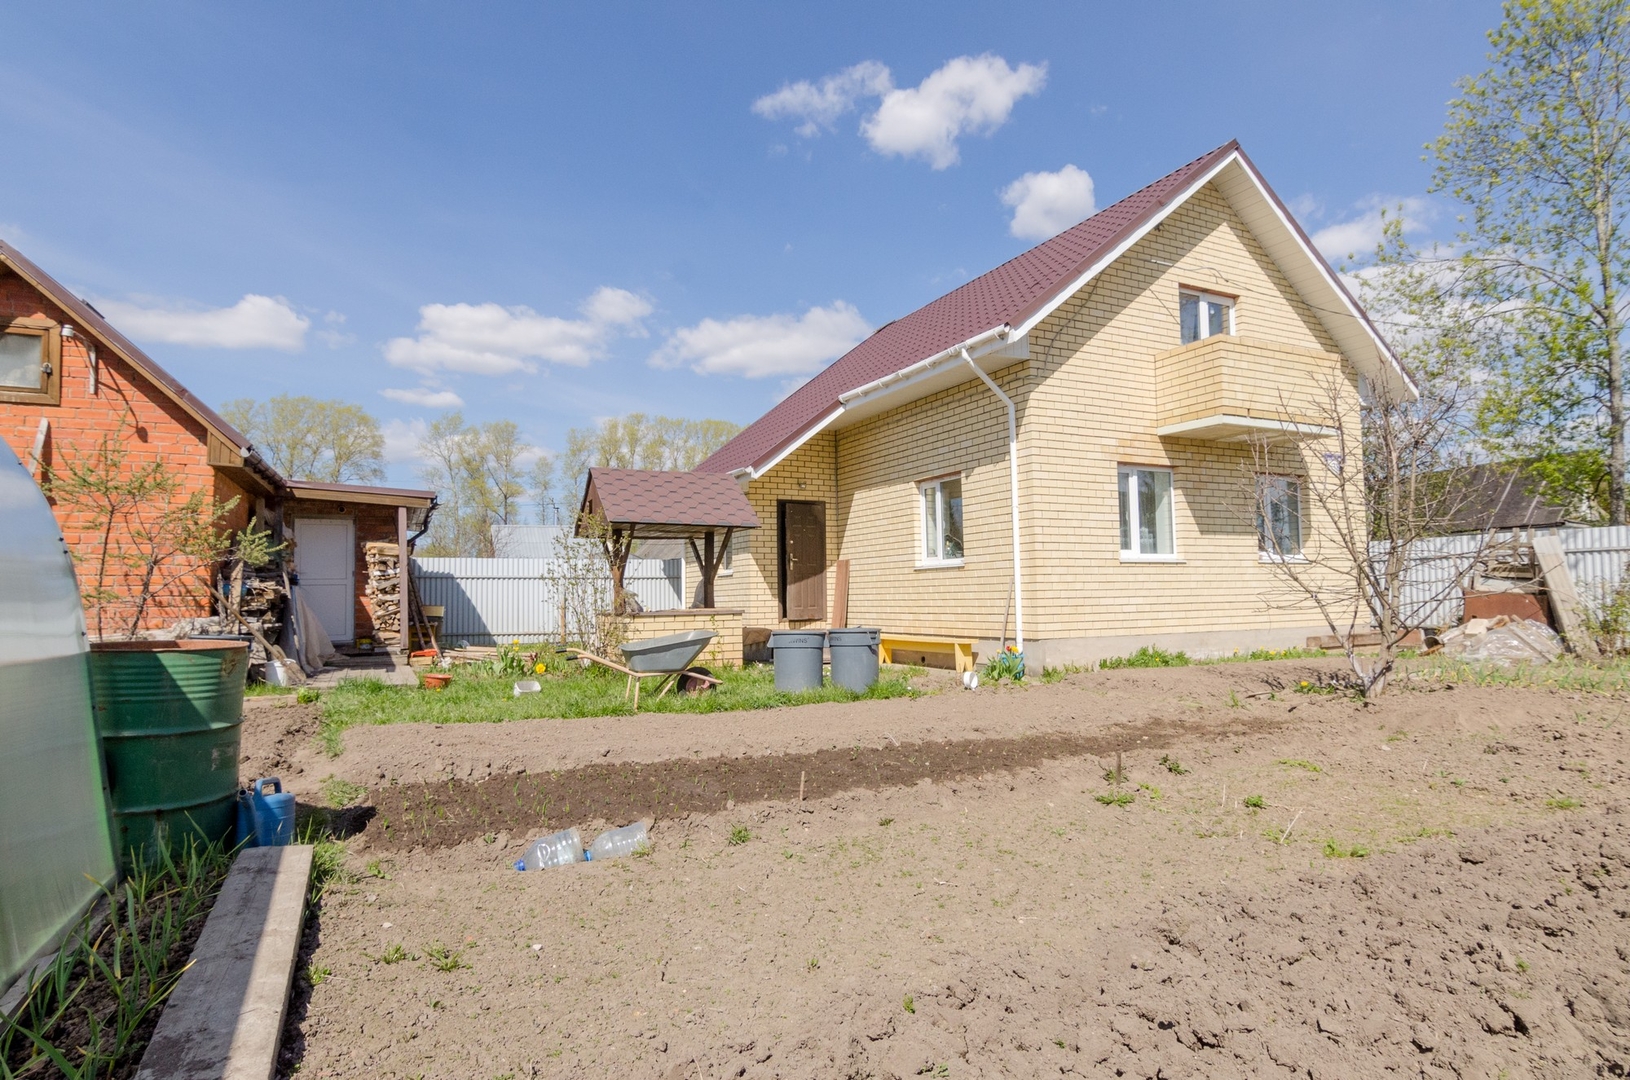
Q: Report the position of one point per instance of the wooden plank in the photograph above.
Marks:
(225, 1016)
(1565, 605)
(960, 649)
(840, 593)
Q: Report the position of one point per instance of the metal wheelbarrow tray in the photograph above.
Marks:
(664, 658)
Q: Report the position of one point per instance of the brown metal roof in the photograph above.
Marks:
(1006, 294)
(656, 504)
(360, 493)
(89, 319)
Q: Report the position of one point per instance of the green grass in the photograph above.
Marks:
(1567, 673)
(1299, 763)
(1292, 653)
(568, 693)
(83, 1014)
(1057, 674)
(1147, 656)
(740, 835)
(261, 689)
(1562, 802)
(444, 959)
(1119, 798)
(341, 793)
(1172, 765)
(1255, 802)
(1333, 850)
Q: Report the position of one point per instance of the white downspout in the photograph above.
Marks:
(1013, 493)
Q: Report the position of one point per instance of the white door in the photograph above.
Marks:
(325, 554)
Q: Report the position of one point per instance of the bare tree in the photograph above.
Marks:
(305, 438)
(1372, 479)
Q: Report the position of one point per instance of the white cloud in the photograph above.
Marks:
(425, 397)
(488, 339)
(1046, 203)
(968, 95)
(1358, 235)
(402, 439)
(819, 105)
(255, 322)
(756, 346)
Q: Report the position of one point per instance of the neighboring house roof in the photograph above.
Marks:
(658, 504)
(992, 310)
(1497, 497)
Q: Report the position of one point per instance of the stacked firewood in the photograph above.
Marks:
(384, 591)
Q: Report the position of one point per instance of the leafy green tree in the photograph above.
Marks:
(305, 438)
(638, 441)
(1538, 149)
(482, 476)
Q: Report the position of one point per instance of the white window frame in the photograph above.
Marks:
(1126, 487)
(925, 529)
(1265, 553)
(1204, 324)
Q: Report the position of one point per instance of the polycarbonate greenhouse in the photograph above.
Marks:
(56, 851)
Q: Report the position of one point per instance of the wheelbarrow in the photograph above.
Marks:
(667, 658)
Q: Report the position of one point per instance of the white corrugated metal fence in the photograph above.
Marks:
(1596, 559)
(489, 601)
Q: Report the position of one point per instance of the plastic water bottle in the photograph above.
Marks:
(556, 849)
(618, 843)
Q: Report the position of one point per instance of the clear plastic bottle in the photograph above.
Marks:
(618, 843)
(556, 849)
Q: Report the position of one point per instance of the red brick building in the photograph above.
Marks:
(68, 380)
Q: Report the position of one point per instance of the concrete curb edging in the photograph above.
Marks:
(225, 1016)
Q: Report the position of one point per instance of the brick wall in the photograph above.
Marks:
(126, 405)
(809, 474)
(722, 651)
(1087, 404)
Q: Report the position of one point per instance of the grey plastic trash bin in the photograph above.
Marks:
(797, 659)
(854, 657)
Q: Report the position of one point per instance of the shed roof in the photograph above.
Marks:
(361, 493)
(1015, 294)
(655, 504)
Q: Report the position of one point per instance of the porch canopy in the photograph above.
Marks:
(621, 506)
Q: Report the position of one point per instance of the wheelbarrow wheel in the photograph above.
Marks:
(689, 685)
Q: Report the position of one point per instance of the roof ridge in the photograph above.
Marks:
(999, 295)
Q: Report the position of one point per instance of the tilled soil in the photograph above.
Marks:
(1300, 886)
(448, 813)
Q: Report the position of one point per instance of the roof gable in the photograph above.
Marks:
(655, 503)
(1012, 299)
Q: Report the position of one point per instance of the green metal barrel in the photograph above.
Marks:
(170, 716)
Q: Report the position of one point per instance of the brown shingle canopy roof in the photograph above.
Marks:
(666, 505)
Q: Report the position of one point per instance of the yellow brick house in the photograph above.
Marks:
(1138, 354)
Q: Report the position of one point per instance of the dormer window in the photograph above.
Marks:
(1205, 315)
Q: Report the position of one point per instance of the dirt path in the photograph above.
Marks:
(1006, 923)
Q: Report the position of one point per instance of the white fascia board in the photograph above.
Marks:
(980, 344)
(1120, 249)
(1338, 292)
(1171, 431)
(807, 434)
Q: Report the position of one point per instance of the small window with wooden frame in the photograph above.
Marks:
(30, 361)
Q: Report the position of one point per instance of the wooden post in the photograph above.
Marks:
(708, 570)
(840, 593)
(403, 624)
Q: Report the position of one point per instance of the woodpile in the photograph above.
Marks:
(384, 592)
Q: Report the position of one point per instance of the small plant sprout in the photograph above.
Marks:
(1562, 802)
(393, 955)
(1118, 798)
(739, 835)
(444, 959)
(812, 964)
(1333, 850)
(1172, 765)
(375, 868)
(885, 822)
(1299, 763)
(1255, 802)
(1233, 700)
(911, 1005)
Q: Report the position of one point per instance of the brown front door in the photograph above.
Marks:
(803, 560)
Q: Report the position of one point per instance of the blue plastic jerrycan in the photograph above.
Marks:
(266, 820)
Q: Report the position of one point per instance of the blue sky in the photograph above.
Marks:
(552, 213)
